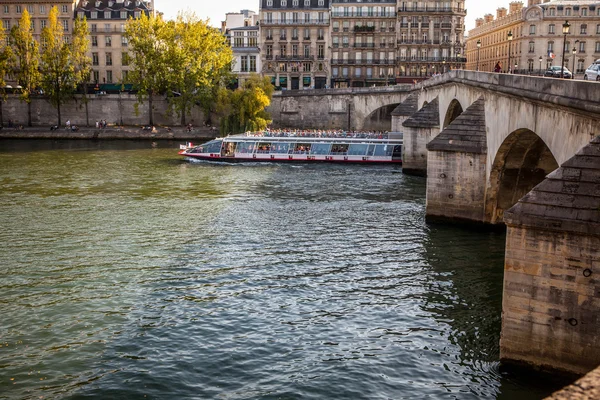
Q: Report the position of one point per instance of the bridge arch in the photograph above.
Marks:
(453, 111)
(522, 161)
(380, 119)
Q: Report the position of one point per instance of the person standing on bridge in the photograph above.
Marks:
(498, 67)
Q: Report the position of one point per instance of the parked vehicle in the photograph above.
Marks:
(592, 73)
(554, 71)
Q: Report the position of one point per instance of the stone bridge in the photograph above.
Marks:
(501, 150)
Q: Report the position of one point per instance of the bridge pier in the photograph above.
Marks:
(404, 110)
(419, 129)
(551, 299)
(456, 169)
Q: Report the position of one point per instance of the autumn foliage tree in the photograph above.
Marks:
(63, 63)
(6, 62)
(27, 59)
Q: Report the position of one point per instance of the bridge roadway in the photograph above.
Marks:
(508, 150)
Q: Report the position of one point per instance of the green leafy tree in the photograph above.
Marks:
(58, 65)
(6, 65)
(244, 109)
(27, 55)
(199, 61)
(82, 62)
(149, 48)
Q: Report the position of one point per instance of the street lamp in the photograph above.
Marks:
(478, 48)
(574, 53)
(541, 65)
(566, 27)
(444, 66)
(515, 69)
(510, 38)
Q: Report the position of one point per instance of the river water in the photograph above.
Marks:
(128, 273)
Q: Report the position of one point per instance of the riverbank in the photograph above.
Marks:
(109, 133)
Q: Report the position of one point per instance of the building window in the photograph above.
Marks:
(532, 47)
(123, 14)
(19, 10)
(357, 72)
(137, 14)
(252, 63)
(244, 64)
(124, 41)
(269, 3)
(306, 3)
(125, 59)
(567, 12)
(107, 14)
(582, 47)
(94, 41)
(6, 9)
(321, 3)
(532, 29)
(43, 23)
(597, 47)
(598, 27)
(551, 29)
(108, 58)
(65, 9)
(552, 12)
(6, 24)
(81, 15)
(95, 60)
(96, 76)
(550, 47)
(65, 24)
(295, 3)
(108, 41)
(584, 12)
(109, 77)
(584, 29)
(283, 3)
(335, 71)
(94, 15)
(30, 9)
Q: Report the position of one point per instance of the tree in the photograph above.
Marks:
(244, 109)
(199, 61)
(26, 51)
(6, 61)
(148, 45)
(82, 62)
(59, 64)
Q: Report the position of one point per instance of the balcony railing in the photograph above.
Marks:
(363, 61)
(363, 14)
(364, 45)
(266, 22)
(430, 9)
(295, 58)
(367, 29)
(432, 59)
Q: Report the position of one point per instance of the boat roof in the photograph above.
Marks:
(306, 139)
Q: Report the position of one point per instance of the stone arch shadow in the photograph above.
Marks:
(380, 119)
(453, 111)
(521, 163)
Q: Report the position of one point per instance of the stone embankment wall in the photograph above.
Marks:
(114, 109)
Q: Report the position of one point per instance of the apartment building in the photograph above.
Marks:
(294, 35)
(108, 45)
(12, 10)
(430, 38)
(537, 38)
(246, 54)
(363, 43)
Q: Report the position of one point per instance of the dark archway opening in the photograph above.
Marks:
(454, 110)
(522, 162)
(380, 119)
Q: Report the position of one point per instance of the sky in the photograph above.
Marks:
(215, 10)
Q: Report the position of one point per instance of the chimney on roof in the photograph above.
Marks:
(479, 22)
(488, 18)
(515, 6)
(501, 12)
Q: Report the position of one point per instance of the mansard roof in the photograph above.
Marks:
(113, 5)
(289, 4)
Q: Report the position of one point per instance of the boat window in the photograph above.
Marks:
(214, 146)
(320, 148)
(357, 149)
(245, 147)
(280, 148)
(339, 149)
(302, 148)
(371, 150)
(263, 148)
(383, 150)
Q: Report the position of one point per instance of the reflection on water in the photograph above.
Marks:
(127, 272)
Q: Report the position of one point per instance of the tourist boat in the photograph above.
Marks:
(338, 147)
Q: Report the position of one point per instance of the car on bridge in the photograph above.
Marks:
(592, 73)
(554, 71)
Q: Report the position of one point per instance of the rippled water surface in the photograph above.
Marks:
(129, 273)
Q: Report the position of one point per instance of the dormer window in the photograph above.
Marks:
(552, 12)
(81, 14)
(321, 3)
(283, 3)
(584, 12)
(306, 3)
(269, 3)
(123, 14)
(295, 3)
(98, 3)
(137, 14)
(106, 14)
(94, 15)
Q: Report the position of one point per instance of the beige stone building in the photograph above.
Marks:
(294, 36)
(12, 10)
(108, 46)
(537, 36)
(363, 43)
(430, 38)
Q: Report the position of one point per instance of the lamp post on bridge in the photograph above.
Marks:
(541, 65)
(574, 54)
(478, 48)
(510, 38)
(565, 31)
(444, 66)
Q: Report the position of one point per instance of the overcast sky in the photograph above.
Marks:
(215, 10)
